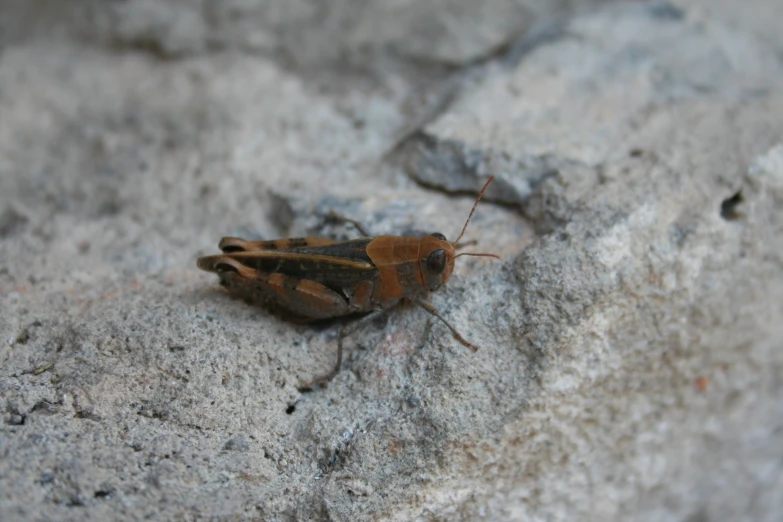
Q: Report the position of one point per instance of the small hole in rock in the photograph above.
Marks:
(290, 409)
(728, 209)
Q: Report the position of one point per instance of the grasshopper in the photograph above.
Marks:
(309, 279)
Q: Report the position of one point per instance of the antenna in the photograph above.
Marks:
(476, 254)
(454, 244)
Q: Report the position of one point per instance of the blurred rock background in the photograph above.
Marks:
(631, 363)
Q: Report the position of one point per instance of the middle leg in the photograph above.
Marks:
(345, 331)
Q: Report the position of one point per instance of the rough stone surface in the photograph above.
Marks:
(630, 364)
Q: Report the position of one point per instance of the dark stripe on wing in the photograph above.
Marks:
(355, 249)
(335, 266)
(230, 245)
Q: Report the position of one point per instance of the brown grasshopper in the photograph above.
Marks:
(308, 279)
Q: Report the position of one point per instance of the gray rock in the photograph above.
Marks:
(310, 33)
(630, 363)
(237, 444)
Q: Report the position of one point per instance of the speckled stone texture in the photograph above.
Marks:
(631, 362)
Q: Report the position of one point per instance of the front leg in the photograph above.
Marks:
(434, 311)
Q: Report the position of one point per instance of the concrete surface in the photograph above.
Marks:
(631, 365)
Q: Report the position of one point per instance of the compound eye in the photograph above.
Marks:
(436, 261)
(439, 236)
